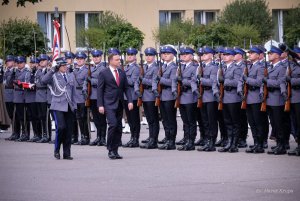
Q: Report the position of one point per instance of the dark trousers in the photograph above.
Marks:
(256, 121)
(99, 120)
(276, 113)
(221, 124)
(295, 111)
(114, 121)
(19, 118)
(201, 127)
(10, 109)
(42, 116)
(209, 114)
(188, 116)
(151, 113)
(265, 120)
(63, 131)
(81, 116)
(231, 113)
(133, 118)
(168, 113)
(32, 116)
(244, 125)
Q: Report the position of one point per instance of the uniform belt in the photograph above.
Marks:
(6, 87)
(272, 89)
(165, 87)
(41, 88)
(227, 88)
(78, 87)
(296, 87)
(147, 86)
(185, 88)
(206, 88)
(253, 88)
(19, 89)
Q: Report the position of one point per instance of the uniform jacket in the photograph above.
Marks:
(30, 93)
(109, 93)
(132, 72)
(41, 89)
(295, 83)
(62, 92)
(8, 77)
(80, 75)
(19, 94)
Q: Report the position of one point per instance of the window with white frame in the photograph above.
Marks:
(45, 21)
(205, 17)
(85, 21)
(166, 17)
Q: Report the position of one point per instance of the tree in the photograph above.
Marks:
(291, 26)
(21, 2)
(17, 37)
(114, 30)
(249, 12)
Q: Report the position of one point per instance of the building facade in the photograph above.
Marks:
(146, 15)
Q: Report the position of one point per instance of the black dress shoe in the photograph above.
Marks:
(83, 142)
(12, 137)
(164, 141)
(203, 148)
(251, 148)
(68, 158)
(112, 155)
(128, 144)
(44, 140)
(23, 138)
(233, 150)
(57, 155)
(152, 144)
(259, 150)
(117, 155)
(242, 144)
(224, 149)
(164, 146)
(146, 141)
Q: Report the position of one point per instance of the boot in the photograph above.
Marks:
(242, 143)
(83, 141)
(44, 139)
(146, 141)
(152, 144)
(128, 144)
(224, 142)
(260, 147)
(13, 137)
(218, 143)
(279, 150)
(25, 133)
(135, 143)
(252, 147)
(204, 147)
(35, 132)
(164, 141)
(183, 141)
(171, 145)
(255, 143)
(201, 142)
(234, 146)
(228, 145)
(211, 145)
(95, 142)
(102, 141)
(164, 146)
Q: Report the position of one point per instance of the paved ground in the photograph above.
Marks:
(28, 171)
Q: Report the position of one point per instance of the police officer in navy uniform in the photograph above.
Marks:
(295, 100)
(254, 81)
(80, 75)
(19, 97)
(69, 57)
(62, 87)
(132, 71)
(148, 97)
(231, 101)
(277, 94)
(188, 97)
(209, 110)
(99, 119)
(167, 98)
(8, 78)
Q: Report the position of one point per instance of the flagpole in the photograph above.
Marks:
(56, 36)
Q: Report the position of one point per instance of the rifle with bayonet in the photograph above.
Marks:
(157, 98)
(245, 86)
(141, 87)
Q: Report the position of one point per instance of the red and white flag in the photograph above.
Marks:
(56, 40)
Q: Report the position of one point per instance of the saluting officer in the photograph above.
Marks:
(254, 81)
(277, 94)
(80, 75)
(231, 100)
(295, 100)
(19, 97)
(167, 109)
(62, 87)
(8, 78)
(148, 97)
(188, 97)
(132, 71)
(209, 110)
(99, 119)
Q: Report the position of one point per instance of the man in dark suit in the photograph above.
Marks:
(112, 85)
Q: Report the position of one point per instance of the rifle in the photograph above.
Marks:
(89, 91)
(157, 99)
(263, 106)
(200, 75)
(287, 105)
(179, 74)
(122, 62)
(104, 54)
(221, 88)
(141, 87)
(245, 88)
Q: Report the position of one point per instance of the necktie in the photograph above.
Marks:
(65, 78)
(146, 66)
(117, 77)
(225, 68)
(183, 67)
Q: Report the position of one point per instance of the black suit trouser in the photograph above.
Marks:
(231, 113)
(188, 116)
(256, 121)
(277, 115)
(295, 111)
(151, 113)
(209, 112)
(133, 118)
(168, 113)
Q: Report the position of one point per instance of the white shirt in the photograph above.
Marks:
(113, 72)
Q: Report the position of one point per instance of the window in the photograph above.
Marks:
(45, 21)
(84, 21)
(166, 17)
(204, 17)
(278, 19)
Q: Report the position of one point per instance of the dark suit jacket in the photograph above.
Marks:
(109, 93)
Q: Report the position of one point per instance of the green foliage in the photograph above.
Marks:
(249, 12)
(17, 37)
(115, 31)
(243, 35)
(21, 2)
(291, 26)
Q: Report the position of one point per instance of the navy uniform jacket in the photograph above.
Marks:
(150, 73)
(19, 95)
(41, 89)
(80, 75)
(62, 91)
(8, 84)
(295, 83)
(132, 73)
(109, 93)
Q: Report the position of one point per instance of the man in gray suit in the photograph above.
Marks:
(255, 117)
(132, 71)
(188, 97)
(62, 87)
(231, 100)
